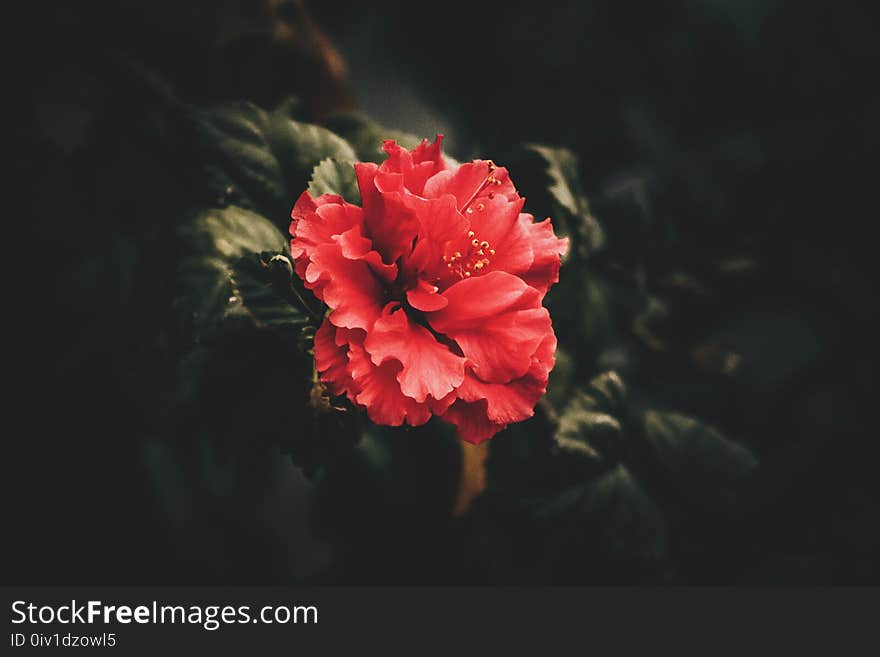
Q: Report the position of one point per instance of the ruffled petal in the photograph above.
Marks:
(433, 153)
(440, 406)
(548, 251)
(416, 166)
(307, 203)
(349, 287)
(429, 367)
(471, 420)
(515, 401)
(316, 222)
(331, 359)
(355, 246)
(505, 402)
(388, 221)
(378, 391)
(497, 321)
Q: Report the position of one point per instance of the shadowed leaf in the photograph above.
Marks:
(335, 177)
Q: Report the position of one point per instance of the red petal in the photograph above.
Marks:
(515, 401)
(439, 407)
(429, 367)
(471, 421)
(493, 219)
(399, 159)
(349, 287)
(470, 183)
(315, 222)
(548, 251)
(303, 219)
(544, 357)
(389, 223)
(506, 402)
(366, 174)
(463, 183)
(331, 359)
(357, 247)
(389, 182)
(415, 167)
(438, 184)
(498, 322)
(379, 392)
(439, 219)
(426, 152)
(305, 203)
(425, 297)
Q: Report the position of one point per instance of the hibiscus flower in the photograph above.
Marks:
(435, 289)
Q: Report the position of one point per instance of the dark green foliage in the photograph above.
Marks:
(550, 180)
(219, 277)
(703, 466)
(335, 177)
(609, 497)
(262, 160)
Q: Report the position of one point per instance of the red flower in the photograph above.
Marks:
(435, 288)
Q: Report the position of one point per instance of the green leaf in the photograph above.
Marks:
(600, 526)
(582, 307)
(260, 291)
(262, 160)
(335, 177)
(710, 470)
(299, 147)
(562, 169)
(632, 525)
(561, 377)
(608, 392)
(591, 426)
(218, 276)
(570, 206)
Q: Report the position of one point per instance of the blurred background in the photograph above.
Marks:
(725, 170)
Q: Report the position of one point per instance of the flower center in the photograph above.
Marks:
(474, 260)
